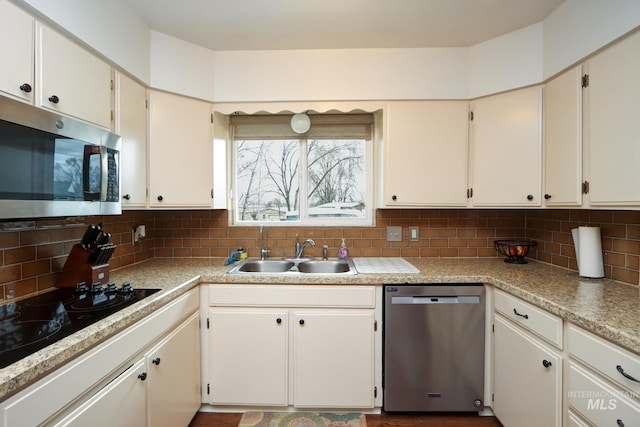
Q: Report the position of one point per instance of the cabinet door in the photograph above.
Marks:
(597, 401)
(180, 151)
(72, 81)
(506, 149)
(131, 125)
(120, 403)
(526, 392)
(249, 357)
(563, 139)
(425, 159)
(612, 125)
(333, 359)
(17, 49)
(173, 376)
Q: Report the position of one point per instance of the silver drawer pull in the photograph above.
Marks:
(624, 374)
(526, 316)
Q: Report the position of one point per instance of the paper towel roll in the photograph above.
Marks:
(588, 251)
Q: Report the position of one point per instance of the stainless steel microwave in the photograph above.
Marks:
(51, 165)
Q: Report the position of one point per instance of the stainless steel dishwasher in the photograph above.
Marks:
(434, 339)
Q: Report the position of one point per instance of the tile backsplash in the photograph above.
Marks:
(33, 252)
(620, 231)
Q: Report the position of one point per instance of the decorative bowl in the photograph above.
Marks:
(514, 249)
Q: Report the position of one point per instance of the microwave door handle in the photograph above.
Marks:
(104, 173)
(90, 150)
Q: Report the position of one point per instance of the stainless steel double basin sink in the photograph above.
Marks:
(292, 266)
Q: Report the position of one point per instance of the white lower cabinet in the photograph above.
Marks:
(527, 378)
(173, 376)
(574, 420)
(527, 364)
(248, 347)
(333, 359)
(161, 389)
(598, 401)
(147, 375)
(603, 380)
(302, 346)
(126, 393)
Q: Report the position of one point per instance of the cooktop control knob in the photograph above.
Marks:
(111, 288)
(97, 288)
(81, 288)
(126, 288)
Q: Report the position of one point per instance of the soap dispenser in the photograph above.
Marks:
(343, 251)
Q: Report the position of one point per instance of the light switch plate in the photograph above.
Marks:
(414, 234)
(394, 233)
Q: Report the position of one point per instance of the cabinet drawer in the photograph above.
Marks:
(56, 390)
(605, 357)
(576, 421)
(292, 296)
(600, 403)
(538, 321)
(126, 392)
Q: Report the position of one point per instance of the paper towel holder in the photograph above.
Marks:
(588, 246)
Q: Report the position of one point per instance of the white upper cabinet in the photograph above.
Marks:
(563, 139)
(131, 125)
(612, 125)
(180, 152)
(71, 80)
(425, 154)
(17, 48)
(506, 149)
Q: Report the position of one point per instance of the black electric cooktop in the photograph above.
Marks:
(31, 324)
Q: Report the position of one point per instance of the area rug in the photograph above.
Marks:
(303, 419)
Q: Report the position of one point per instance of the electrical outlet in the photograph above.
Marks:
(394, 234)
(414, 234)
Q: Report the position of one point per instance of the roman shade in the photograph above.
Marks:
(323, 126)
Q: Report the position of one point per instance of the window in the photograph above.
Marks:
(323, 177)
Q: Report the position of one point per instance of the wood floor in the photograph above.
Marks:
(206, 419)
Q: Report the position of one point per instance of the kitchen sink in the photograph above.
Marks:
(265, 266)
(333, 266)
(294, 266)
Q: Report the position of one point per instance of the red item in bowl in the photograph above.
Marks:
(514, 249)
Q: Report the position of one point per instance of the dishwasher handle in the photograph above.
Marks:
(435, 299)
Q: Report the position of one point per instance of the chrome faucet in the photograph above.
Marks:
(300, 247)
(263, 251)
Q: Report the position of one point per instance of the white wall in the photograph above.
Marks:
(507, 62)
(341, 74)
(181, 67)
(523, 57)
(108, 26)
(579, 27)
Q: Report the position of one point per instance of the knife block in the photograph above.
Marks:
(78, 269)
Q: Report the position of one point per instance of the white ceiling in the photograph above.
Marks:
(335, 24)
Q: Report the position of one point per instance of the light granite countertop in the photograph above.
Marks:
(607, 308)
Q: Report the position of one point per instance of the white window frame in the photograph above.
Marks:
(304, 220)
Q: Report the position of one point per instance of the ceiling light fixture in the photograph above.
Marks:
(300, 123)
